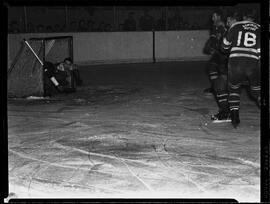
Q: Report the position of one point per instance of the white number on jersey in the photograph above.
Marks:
(249, 39)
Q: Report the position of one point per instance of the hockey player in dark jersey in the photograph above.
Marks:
(217, 68)
(242, 41)
(57, 79)
(71, 69)
(212, 47)
(51, 84)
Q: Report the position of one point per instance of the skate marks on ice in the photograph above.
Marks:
(111, 155)
(150, 145)
(102, 161)
(126, 148)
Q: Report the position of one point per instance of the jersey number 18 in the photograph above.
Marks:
(249, 39)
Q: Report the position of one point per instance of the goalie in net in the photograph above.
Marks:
(28, 75)
(62, 77)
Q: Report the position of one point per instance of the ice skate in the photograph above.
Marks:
(221, 117)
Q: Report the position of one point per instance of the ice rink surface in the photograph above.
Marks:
(136, 131)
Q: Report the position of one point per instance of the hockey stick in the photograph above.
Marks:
(55, 82)
(33, 51)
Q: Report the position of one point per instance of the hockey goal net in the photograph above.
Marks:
(25, 75)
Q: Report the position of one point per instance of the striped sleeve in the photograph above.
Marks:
(226, 44)
(227, 39)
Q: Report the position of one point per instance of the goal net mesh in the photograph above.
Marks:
(25, 75)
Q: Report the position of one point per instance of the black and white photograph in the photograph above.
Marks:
(139, 101)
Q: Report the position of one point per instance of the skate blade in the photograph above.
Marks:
(222, 121)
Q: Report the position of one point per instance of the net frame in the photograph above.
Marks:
(17, 86)
(46, 39)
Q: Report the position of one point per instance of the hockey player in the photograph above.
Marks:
(51, 84)
(217, 68)
(69, 67)
(243, 43)
(212, 47)
(58, 77)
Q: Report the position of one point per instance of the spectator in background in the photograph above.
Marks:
(64, 28)
(186, 26)
(57, 28)
(95, 26)
(130, 23)
(101, 26)
(82, 26)
(49, 29)
(30, 28)
(108, 27)
(146, 22)
(175, 22)
(73, 26)
(160, 24)
(90, 25)
(172, 23)
(121, 27)
(180, 23)
(14, 27)
(196, 26)
(40, 28)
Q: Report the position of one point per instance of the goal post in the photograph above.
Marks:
(25, 75)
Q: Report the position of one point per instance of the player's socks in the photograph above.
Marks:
(235, 117)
